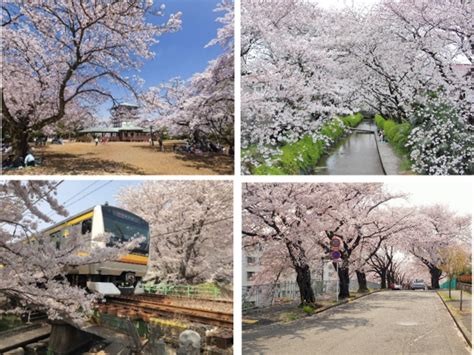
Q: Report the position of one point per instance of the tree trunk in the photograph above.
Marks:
(383, 280)
(303, 278)
(303, 274)
(390, 279)
(344, 280)
(450, 279)
(435, 275)
(20, 143)
(362, 281)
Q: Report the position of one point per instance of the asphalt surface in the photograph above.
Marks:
(389, 322)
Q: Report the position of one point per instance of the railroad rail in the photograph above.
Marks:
(146, 306)
(166, 298)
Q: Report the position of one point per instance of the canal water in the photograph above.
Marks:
(356, 155)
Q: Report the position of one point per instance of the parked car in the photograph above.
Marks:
(396, 287)
(418, 285)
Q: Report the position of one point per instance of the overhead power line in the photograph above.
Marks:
(84, 196)
(81, 191)
(89, 193)
(190, 227)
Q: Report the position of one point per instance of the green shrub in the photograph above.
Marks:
(305, 154)
(352, 120)
(396, 133)
(308, 310)
(267, 170)
(379, 121)
(401, 137)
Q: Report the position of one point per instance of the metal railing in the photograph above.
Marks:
(188, 291)
(267, 295)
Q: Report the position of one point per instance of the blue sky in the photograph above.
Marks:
(182, 53)
(79, 195)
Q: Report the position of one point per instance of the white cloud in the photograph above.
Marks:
(454, 193)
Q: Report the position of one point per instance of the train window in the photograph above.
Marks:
(57, 234)
(75, 229)
(86, 226)
(56, 237)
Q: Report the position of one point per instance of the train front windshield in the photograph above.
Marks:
(125, 226)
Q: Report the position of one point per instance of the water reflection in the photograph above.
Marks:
(357, 155)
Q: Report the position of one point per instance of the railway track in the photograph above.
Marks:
(145, 306)
(168, 298)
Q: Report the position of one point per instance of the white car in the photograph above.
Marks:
(418, 285)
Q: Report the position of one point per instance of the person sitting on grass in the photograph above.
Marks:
(29, 159)
(8, 162)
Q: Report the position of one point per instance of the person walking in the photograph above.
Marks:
(96, 140)
(160, 142)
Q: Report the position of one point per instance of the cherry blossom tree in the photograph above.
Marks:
(33, 269)
(275, 215)
(203, 106)
(287, 90)
(60, 56)
(191, 228)
(299, 221)
(438, 228)
(392, 265)
(454, 261)
(303, 65)
(364, 223)
(303, 219)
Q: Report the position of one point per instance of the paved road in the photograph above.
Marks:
(392, 322)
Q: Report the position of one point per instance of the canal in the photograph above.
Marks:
(355, 155)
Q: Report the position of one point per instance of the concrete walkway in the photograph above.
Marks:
(390, 160)
(389, 322)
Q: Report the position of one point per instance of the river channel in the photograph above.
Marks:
(355, 155)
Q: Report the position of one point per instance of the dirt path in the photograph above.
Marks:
(123, 158)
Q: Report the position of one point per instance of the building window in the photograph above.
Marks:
(250, 275)
(251, 260)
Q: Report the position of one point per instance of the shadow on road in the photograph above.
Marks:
(325, 320)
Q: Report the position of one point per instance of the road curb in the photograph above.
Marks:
(378, 151)
(320, 310)
(344, 302)
(464, 331)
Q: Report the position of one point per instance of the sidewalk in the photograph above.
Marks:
(390, 160)
(290, 312)
(464, 317)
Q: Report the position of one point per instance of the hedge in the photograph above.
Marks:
(396, 133)
(304, 154)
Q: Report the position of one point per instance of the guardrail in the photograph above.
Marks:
(267, 295)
